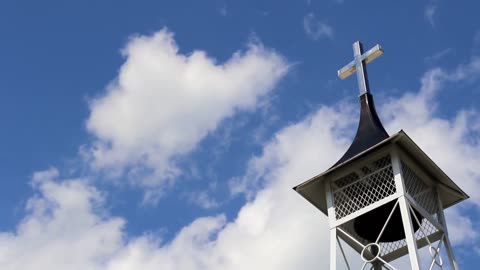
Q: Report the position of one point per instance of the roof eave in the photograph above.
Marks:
(410, 147)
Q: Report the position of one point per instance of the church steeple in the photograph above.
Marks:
(384, 197)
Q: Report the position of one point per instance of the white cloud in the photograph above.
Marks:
(62, 230)
(67, 228)
(438, 56)
(276, 223)
(431, 11)
(163, 103)
(461, 228)
(315, 142)
(453, 143)
(302, 150)
(202, 199)
(316, 29)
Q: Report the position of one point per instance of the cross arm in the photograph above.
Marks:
(367, 57)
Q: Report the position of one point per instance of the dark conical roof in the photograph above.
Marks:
(370, 129)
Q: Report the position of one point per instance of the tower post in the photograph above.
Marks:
(404, 208)
(448, 245)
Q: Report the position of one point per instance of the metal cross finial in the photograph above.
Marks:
(359, 65)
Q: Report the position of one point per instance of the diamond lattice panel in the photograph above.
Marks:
(413, 183)
(426, 231)
(370, 184)
(424, 196)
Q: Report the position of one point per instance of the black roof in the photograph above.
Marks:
(370, 129)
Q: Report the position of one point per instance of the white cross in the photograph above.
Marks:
(359, 65)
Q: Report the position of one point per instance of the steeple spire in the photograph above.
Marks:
(370, 129)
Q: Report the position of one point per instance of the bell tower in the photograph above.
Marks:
(384, 197)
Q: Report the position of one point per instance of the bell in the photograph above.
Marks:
(370, 225)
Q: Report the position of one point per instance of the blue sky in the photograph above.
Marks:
(172, 130)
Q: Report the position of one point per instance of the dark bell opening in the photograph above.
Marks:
(369, 225)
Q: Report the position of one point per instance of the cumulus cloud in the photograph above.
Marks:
(316, 29)
(302, 150)
(275, 223)
(314, 142)
(452, 143)
(163, 103)
(202, 199)
(67, 226)
(461, 228)
(64, 228)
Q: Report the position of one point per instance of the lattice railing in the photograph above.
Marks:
(363, 187)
